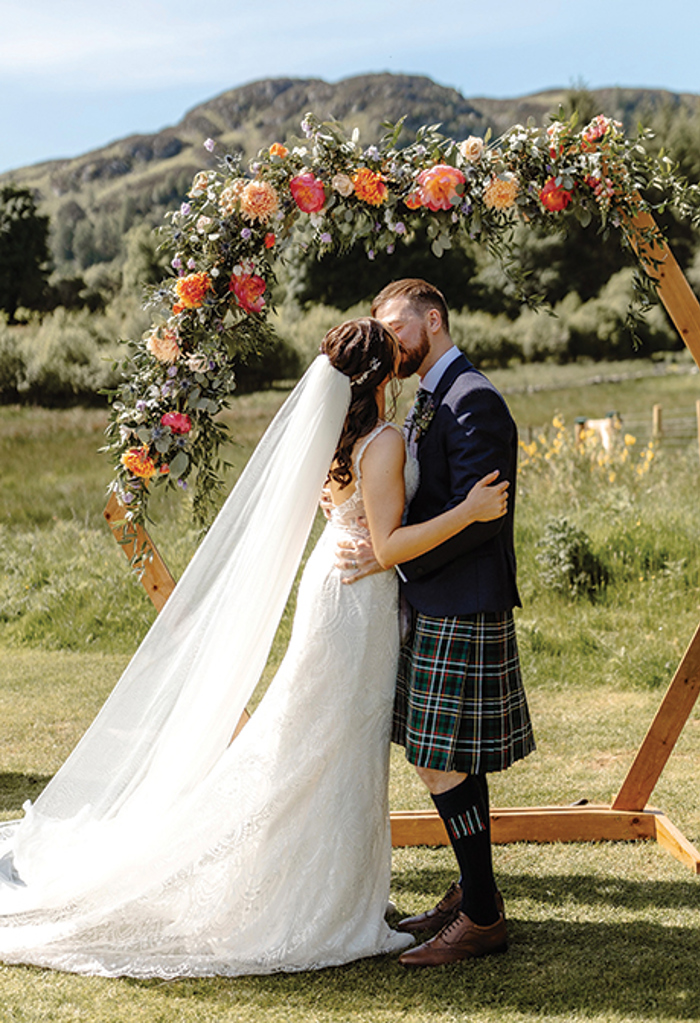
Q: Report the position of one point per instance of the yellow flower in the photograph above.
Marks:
(501, 191)
(259, 201)
(629, 439)
(139, 463)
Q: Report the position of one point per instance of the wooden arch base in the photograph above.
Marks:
(628, 817)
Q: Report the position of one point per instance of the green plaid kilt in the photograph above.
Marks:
(460, 703)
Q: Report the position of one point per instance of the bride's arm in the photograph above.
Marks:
(383, 492)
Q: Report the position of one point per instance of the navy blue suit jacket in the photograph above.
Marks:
(471, 433)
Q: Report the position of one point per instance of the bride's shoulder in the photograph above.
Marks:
(383, 445)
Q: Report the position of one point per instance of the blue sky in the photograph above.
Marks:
(77, 74)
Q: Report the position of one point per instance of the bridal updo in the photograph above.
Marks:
(365, 351)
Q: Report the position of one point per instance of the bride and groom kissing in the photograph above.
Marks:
(161, 848)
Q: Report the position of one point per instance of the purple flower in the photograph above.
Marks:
(326, 238)
(191, 265)
(127, 498)
(185, 209)
(372, 153)
(176, 263)
(370, 254)
(306, 128)
(172, 371)
(246, 233)
(141, 405)
(390, 249)
(209, 145)
(182, 483)
(400, 227)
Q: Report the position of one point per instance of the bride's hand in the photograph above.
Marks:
(487, 500)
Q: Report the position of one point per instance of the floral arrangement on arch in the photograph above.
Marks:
(325, 192)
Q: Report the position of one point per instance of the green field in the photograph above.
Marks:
(599, 932)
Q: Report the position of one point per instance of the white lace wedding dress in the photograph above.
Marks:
(279, 858)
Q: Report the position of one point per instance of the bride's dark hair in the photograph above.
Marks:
(364, 350)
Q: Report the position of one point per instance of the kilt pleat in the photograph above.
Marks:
(460, 703)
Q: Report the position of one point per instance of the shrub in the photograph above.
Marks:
(567, 562)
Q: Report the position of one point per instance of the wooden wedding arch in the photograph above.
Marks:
(628, 817)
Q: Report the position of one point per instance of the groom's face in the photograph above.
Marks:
(410, 327)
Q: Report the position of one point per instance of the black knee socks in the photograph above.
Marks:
(465, 811)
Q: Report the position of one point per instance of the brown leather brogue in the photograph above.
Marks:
(444, 913)
(459, 940)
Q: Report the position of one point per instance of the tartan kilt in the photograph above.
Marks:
(460, 703)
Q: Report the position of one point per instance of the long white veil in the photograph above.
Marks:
(171, 716)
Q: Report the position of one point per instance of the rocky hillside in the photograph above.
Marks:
(140, 175)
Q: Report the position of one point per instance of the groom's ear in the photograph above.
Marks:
(434, 321)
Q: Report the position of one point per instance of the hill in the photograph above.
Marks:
(138, 176)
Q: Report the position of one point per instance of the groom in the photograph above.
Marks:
(460, 708)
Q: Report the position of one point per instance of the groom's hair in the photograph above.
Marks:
(420, 294)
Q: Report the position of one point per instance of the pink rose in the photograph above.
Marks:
(308, 192)
(248, 289)
(178, 422)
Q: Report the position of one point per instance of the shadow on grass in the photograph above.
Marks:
(610, 967)
(15, 789)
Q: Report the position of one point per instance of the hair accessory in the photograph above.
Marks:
(373, 367)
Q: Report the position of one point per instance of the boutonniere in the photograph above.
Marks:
(423, 417)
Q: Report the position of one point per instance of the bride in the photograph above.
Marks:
(163, 849)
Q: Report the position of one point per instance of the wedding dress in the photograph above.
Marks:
(190, 856)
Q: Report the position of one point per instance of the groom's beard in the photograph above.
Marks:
(410, 361)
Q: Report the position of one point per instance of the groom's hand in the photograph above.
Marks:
(356, 559)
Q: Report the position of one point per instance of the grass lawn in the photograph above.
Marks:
(599, 932)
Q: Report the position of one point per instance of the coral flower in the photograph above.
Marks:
(178, 422)
(413, 201)
(500, 192)
(308, 192)
(277, 149)
(248, 289)
(139, 463)
(554, 197)
(269, 240)
(162, 344)
(259, 201)
(369, 186)
(438, 186)
(191, 290)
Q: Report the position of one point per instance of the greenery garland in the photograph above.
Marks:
(325, 192)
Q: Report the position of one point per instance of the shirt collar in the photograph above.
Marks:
(432, 378)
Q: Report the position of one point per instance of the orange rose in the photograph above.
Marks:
(139, 463)
(277, 149)
(554, 197)
(369, 186)
(413, 201)
(191, 291)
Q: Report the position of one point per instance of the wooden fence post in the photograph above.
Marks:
(657, 427)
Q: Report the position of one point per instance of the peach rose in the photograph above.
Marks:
(342, 184)
(438, 186)
(248, 290)
(163, 344)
